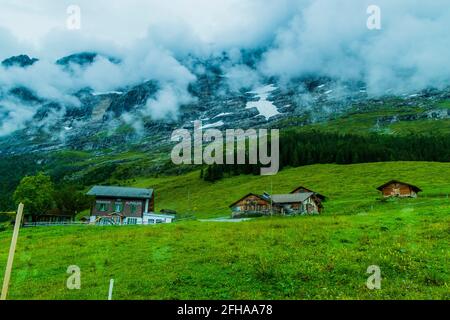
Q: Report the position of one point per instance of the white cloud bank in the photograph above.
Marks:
(330, 38)
(297, 38)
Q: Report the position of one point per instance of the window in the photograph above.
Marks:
(159, 221)
(118, 207)
(131, 220)
(102, 207)
(133, 208)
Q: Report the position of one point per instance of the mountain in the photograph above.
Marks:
(119, 120)
(93, 137)
(19, 61)
(82, 59)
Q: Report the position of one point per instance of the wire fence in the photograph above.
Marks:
(54, 224)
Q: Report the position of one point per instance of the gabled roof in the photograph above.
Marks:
(121, 192)
(416, 189)
(291, 198)
(248, 195)
(301, 187)
(320, 196)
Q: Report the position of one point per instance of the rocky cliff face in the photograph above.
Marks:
(115, 119)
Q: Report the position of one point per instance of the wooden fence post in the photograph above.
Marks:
(12, 250)
(111, 285)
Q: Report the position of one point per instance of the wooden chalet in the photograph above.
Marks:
(395, 188)
(297, 203)
(300, 201)
(251, 204)
(120, 205)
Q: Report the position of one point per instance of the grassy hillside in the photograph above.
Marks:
(389, 117)
(395, 117)
(285, 258)
(348, 187)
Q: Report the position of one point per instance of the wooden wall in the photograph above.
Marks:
(398, 190)
(251, 203)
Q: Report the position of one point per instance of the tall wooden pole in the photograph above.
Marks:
(12, 250)
(271, 195)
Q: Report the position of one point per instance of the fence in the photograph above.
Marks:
(53, 224)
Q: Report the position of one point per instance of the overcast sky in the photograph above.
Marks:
(120, 21)
(298, 36)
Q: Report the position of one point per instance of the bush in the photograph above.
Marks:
(6, 217)
(247, 215)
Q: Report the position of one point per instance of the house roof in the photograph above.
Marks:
(292, 198)
(415, 188)
(301, 187)
(248, 195)
(120, 192)
(320, 196)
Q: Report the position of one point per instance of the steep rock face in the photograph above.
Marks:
(114, 120)
(135, 97)
(24, 94)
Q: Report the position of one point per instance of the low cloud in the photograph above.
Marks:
(13, 116)
(155, 40)
(143, 61)
(166, 102)
(330, 38)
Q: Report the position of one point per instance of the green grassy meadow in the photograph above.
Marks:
(307, 257)
(349, 188)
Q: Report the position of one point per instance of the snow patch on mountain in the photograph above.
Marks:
(265, 107)
(213, 125)
(223, 114)
(107, 93)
